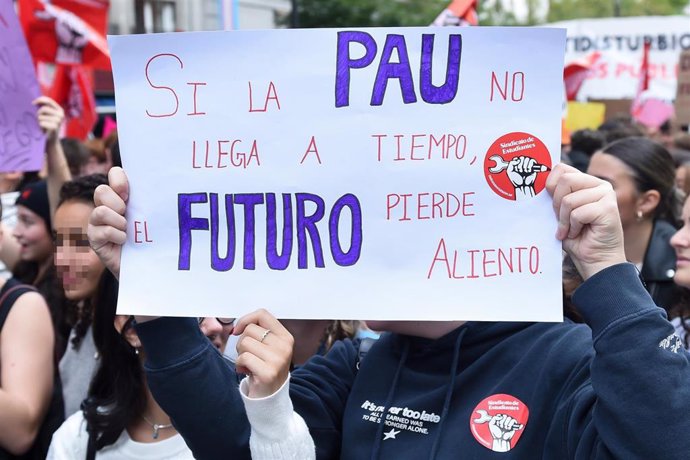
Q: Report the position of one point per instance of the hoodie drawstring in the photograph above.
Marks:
(389, 398)
(449, 394)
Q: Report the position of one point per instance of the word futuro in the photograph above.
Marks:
(296, 220)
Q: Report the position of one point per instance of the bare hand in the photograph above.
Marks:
(107, 224)
(588, 220)
(264, 356)
(50, 117)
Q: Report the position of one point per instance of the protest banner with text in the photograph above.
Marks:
(620, 43)
(363, 174)
(21, 141)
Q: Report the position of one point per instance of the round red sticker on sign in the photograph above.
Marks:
(516, 166)
(498, 422)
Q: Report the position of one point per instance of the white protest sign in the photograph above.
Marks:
(362, 174)
(616, 74)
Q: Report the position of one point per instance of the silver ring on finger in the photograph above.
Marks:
(264, 335)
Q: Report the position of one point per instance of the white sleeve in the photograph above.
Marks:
(278, 432)
(69, 441)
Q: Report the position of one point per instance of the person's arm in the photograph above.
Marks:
(50, 118)
(278, 432)
(26, 375)
(9, 249)
(264, 354)
(631, 400)
(197, 387)
(638, 402)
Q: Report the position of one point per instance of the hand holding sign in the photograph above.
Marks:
(264, 352)
(588, 221)
(378, 147)
(107, 224)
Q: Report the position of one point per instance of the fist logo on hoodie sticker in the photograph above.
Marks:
(498, 422)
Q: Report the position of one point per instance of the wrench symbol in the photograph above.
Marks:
(501, 164)
(485, 417)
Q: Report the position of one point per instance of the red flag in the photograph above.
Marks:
(643, 84)
(67, 31)
(458, 13)
(575, 73)
(72, 88)
(80, 109)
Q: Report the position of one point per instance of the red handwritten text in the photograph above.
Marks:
(224, 153)
(484, 263)
(428, 206)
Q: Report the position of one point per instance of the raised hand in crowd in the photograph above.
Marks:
(51, 116)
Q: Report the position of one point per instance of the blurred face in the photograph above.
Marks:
(77, 264)
(621, 177)
(681, 243)
(216, 331)
(94, 167)
(10, 180)
(681, 177)
(35, 242)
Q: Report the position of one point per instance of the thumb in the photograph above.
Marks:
(118, 182)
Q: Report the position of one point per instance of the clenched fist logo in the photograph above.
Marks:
(513, 164)
(498, 422)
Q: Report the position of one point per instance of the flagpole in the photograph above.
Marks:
(228, 14)
(294, 16)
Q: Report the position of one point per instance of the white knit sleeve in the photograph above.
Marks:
(70, 440)
(278, 432)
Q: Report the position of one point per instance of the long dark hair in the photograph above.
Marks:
(80, 189)
(116, 394)
(653, 169)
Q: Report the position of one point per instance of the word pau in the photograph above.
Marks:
(395, 64)
(297, 221)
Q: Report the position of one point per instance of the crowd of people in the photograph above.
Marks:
(78, 380)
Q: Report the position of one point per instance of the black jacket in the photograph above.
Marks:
(659, 266)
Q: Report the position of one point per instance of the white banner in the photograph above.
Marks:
(363, 174)
(620, 42)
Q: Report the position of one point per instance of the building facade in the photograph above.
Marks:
(149, 16)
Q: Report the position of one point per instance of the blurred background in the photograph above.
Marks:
(623, 56)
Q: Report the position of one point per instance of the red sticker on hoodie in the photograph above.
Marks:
(498, 422)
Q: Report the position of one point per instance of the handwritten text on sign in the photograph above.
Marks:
(21, 141)
(368, 174)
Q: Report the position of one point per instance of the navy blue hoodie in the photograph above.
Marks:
(619, 388)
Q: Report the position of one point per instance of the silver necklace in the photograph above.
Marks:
(156, 427)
